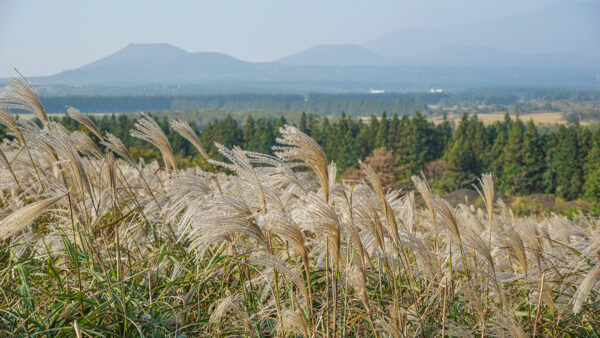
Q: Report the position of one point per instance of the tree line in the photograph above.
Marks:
(523, 158)
(318, 103)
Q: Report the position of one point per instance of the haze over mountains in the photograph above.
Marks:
(528, 49)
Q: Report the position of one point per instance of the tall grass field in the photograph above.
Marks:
(94, 243)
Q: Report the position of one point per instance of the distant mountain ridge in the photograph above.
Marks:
(537, 32)
(334, 55)
(527, 49)
(156, 63)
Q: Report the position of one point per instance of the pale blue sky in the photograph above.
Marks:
(45, 37)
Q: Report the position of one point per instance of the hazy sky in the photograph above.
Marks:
(42, 37)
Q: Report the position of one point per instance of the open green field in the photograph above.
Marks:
(98, 244)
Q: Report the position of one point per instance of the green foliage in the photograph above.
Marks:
(524, 159)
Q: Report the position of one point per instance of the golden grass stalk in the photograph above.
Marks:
(585, 287)
(20, 95)
(293, 322)
(7, 119)
(80, 117)
(376, 185)
(487, 185)
(21, 218)
(115, 144)
(297, 146)
(149, 131)
(184, 129)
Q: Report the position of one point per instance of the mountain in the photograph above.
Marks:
(162, 68)
(334, 55)
(156, 63)
(559, 28)
(495, 57)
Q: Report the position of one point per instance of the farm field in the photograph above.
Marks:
(542, 119)
(95, 243)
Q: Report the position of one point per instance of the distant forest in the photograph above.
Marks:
(564, 162)
(318, 103)
(352, 104)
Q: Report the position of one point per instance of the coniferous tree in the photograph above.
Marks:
(513, 172)
(303, 124)
(249, 132)
(563, 176)
(264, 136)
(443, 132)
(460, 159)
(363, 140)
(533, 160)
(381, 138)
(313, 127)
(591, 171)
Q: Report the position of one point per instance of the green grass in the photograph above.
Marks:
(149, 249)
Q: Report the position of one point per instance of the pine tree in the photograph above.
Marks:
(513, 173)
(303, 125)
(249, 132)
(264, 136)
(443, 133)
(460, 159)
(533, 160)
(592, 172)
(363, 140)
(381, 138)
(563, 176)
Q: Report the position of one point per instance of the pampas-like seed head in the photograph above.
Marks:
(297, 146)
(293, 321)
(7, 119)
(116, 145)
(376, 185)
(20, 95)
(149, 131)
(590, 280)
(184, 129)
(21, 218)
(80, 117)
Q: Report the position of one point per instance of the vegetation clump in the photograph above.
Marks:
(96, 243)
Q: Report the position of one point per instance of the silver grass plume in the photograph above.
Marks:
(217, 219)
(425, 190)
(283, 225)
(475, 242)
(376, 185)
(80, 117)
(55, 136)
(516, 247)
(6, 163)
(293, 322)
(20, 95)
(487, 185)
(85, 145)
(243, 168)
(356, 278)
(21, 218)
(441, 206)
(112, 175)
(115, 144)
(270, 261)
(149, 131)
(230, 303)
(586, 285)
(184, 129)
(297, 146)
(323, 220)
(7, 119)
